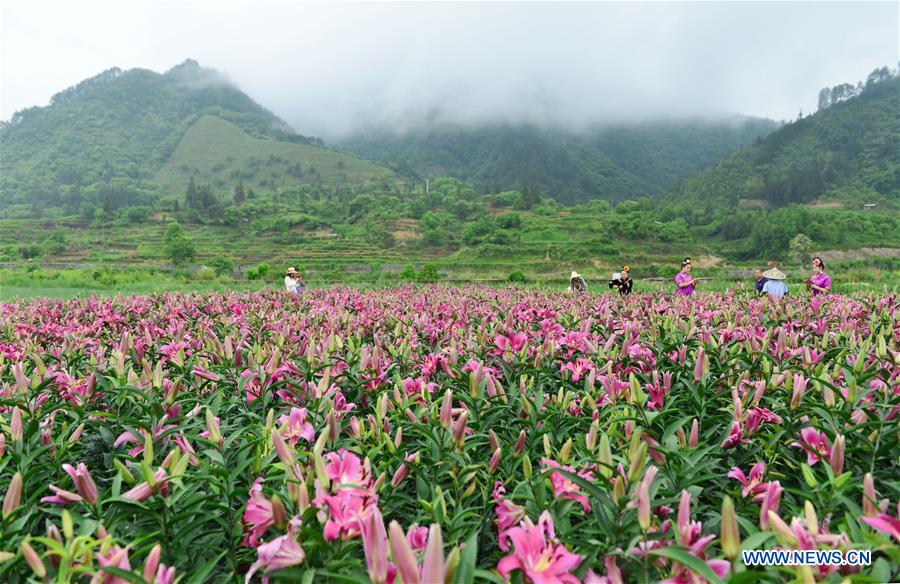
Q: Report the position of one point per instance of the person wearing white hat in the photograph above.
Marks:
(577, 283)
(774, 288)
(293, 282)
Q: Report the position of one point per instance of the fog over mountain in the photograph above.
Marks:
(335, 69)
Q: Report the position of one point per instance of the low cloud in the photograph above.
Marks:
(332, 69)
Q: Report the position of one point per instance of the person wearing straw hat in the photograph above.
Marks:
(684, 282)
(622, 281)
(774, 288)
(577, 283)
(293, 282)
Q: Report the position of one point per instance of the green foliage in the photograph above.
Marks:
(408, 274)
(800, 248)
(614, 162)
(222, 266)
(517, 277)
(846, 152)
(428, 274)
(179, 247)
(127, 138)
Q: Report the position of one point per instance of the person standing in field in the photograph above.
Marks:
(819, 282)
(760, 281)
(622, 281)
(293, 282)
(684, 282)
(577, 285)
(774, 288)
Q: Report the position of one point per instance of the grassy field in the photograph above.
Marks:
(219, 153)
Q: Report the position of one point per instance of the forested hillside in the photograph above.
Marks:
(612, 162)
(847, 153)
(103, 144)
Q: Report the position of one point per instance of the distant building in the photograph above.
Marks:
(870, 206)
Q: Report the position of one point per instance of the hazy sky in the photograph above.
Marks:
(330, 68)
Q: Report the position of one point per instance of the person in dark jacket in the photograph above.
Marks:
(760, 281)
(622, 281)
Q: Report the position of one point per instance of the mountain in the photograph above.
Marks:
(846, 154)
(614, 162)
(126, 138)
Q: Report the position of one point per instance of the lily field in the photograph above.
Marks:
(447, 434)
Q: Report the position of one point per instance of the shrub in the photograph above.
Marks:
(429, 273)
(517, 277)
(205, 274)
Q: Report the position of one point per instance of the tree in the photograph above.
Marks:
(239, 196)
(190, 197)
(179, 247)
(800, 248)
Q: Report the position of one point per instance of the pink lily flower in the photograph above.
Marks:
(282, 552)
(538, 556)
(297, 427)
(735, 437)
(115, 557)
(345, 468)
(259, 515)
(565, 488)
(752, 484)
(757, 416)
(885, 523)
(345, 512)
(613, 573)
(815, 444)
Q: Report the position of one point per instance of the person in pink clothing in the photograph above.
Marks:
(819, 282)
(684, 283)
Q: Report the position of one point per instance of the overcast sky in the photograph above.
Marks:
(333, 68)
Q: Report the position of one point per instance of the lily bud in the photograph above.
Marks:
(152, 563)
(495, 442)
(13, 497)
(606, 459)
(520, 443)
(279, 515)
(75, 436)
(565, 451)
(321, 473)
(694, 438)
(446, 410)
(812, 520)
(701, 365)
(495, 460)
(332, 423)
(682, 439)
(34, 560)
(731, 535)
(590, 439)
(837, 455)
(283, 450)
(643, 504)
(526, 467)
(618, 489)
(212, 425)
(870, 497)
(459, 427)
(15, 425)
